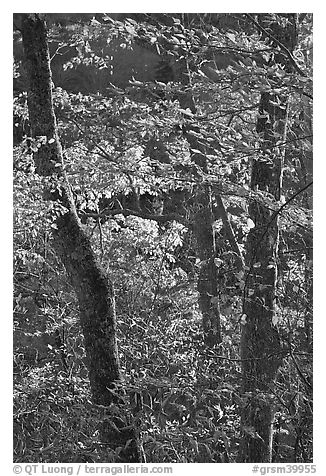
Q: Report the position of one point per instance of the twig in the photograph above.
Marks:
(302, 377)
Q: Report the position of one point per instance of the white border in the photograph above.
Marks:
(319, 198)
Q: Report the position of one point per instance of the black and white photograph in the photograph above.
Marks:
(162, 241)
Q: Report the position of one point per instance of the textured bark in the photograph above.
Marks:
(94, 292)
(260, 344)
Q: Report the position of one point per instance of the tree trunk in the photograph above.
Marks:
(260, 343)
(203, 219)
(94, 292)
(207, 279)
(203, 226)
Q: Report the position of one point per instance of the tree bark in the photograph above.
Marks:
(94, 291)
(260, 343)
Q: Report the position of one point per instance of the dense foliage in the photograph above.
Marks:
(119, 86)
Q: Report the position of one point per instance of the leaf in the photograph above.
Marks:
(231, 36)
(250, 223)
(239, 275)
(250, 430)
(218, 262)
(282, 199)
(186, 112)
(130, 29)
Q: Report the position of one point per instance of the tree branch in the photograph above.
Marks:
(146, 216)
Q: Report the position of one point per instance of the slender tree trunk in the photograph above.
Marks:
(260, 343)
(203, 219)
(203, 225)
(94, 292)
(207, 280)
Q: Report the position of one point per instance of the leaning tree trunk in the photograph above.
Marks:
(94, 291)
(260, 343)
